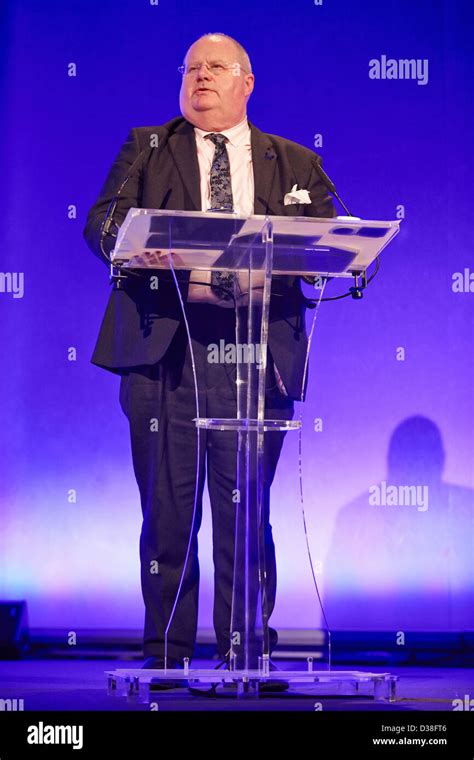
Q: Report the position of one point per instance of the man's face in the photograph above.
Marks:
(214, 99)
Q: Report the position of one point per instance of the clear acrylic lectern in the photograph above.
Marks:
(254, 249)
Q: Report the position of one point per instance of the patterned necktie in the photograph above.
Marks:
(222, 283)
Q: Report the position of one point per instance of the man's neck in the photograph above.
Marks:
(217, 125)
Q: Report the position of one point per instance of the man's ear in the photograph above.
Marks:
(249, 84)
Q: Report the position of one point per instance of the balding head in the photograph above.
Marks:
(241, 54)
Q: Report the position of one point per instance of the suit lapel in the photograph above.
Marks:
(264, 161)
(268, 195)
(182, 145)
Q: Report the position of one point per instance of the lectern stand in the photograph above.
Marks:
(254, 249)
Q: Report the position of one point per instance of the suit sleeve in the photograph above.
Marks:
(129, 197)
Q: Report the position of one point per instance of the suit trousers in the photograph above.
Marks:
(160, 403)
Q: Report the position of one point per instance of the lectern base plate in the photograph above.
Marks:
(134, 684)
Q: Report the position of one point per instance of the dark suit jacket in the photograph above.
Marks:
(139, 323)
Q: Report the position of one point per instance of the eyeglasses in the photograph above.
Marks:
(215, 68)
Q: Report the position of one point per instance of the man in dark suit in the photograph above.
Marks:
(210, 158)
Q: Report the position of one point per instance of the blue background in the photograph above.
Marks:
(394, 148)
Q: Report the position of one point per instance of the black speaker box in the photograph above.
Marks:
(14, 635)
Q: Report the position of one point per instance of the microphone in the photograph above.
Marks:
(329, 184)
(356, 291)
(109, 217)
(332, 189)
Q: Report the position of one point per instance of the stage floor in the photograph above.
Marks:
(82, 685)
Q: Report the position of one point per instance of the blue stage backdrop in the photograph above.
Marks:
(388, 426)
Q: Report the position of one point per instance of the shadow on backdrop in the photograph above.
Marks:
(401, 555)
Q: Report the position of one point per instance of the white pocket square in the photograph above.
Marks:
(296, 196)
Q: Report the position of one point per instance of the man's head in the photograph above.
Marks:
(214, 96)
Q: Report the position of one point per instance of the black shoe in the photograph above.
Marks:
(161, 684)
(273, 685)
